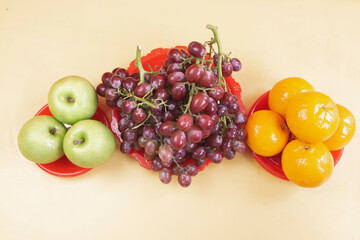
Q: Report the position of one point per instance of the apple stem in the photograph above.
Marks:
(76, 142)
(70, 99)
(53, 131)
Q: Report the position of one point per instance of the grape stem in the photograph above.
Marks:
(191, 94)
(139, 65)
(220, 52)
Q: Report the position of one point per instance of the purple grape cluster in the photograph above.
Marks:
(179, 112)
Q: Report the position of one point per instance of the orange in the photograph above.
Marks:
(312, 117)
(284, 90)
(344, 132)
(307, 164)
(267, 133)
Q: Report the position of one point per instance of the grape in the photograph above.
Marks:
(216, 59)
(158, 81)
(149, 132)
(125, 147)
(179, 155)
(206, 133)
(236, 64)
(162, 93)
(128, 106)
(216, 128)
(199, 152)
(174, 67)
(139, 115)
(122, 72)
(167, 128)
(156, 164)
(106, 79)
(191, 169)
(167, 141)
(207, 78)
(175, 77)
(199, 102)
(184, 179)
(216, 92)
(194, 134)
(115, 81)
(226, 69)
(169, 116)
(231, 133)
(240, 118)
(229, 155)
(166, 154)
(174, 55)
(151, 146)
(204, 121)
(142, 89)
(129, 135)
(165, 175)
(241, 134)
(171, 105)
(115, 70)
(215, 156)
(158, 109)
(100, 89)
(184, 53)
(222, 110)
(238, 146)
(136, 146)
(178, 91)
(111, 95)
(211, 108)
(141, 141)
(131, 123)
(233, 108)
(196, 49)
(190, 146)
(199, 162)
(119, 102)
(227, 99)
(185, 122)
(166, 63)
(129, 84)
(135, 75)
(215, 118)
(194, 73)
(175, 169)
(226, 146)
(178, 140)
(122, 124)
(215, 141)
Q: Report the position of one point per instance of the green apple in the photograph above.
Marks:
(41, 139)
(89, 143)
(72, 99)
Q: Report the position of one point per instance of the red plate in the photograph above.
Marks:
(273, 164)
(155, 59)
(63, 167)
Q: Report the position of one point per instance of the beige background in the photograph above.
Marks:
(42, 41)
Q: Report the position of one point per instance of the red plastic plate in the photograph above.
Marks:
(155, 59)
(63, 167)
(273, 164)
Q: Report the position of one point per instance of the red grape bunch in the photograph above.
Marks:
(182, 111)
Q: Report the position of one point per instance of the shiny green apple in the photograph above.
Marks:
(41, 139)
(72, 99)
(89, 143)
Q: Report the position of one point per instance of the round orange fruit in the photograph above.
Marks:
(284, 90)
(312, 117)
(267, 133)
(307, 164)
(344, 132)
